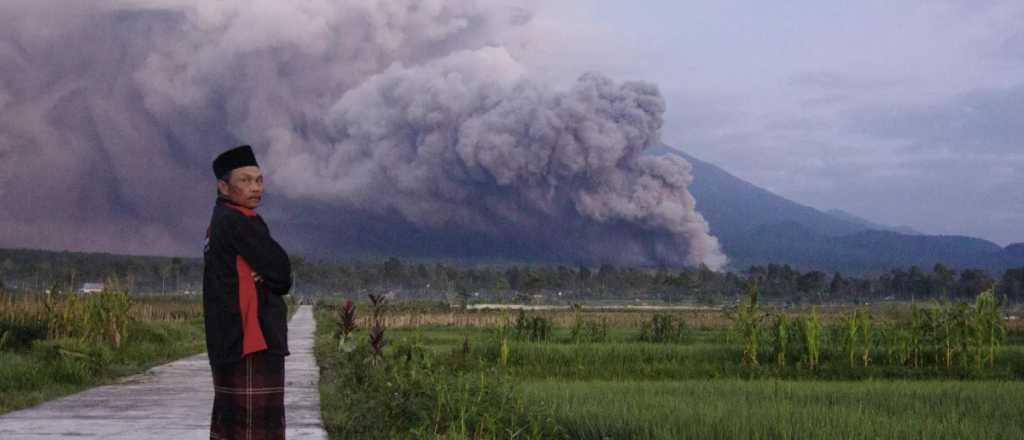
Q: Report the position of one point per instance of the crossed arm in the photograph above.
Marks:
(270, 264)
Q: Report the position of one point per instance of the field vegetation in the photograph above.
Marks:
(931, 370)
(59, 343)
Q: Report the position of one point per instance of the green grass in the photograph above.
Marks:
(624, 388)
(772, 409)
(705, 355)
(52, 369)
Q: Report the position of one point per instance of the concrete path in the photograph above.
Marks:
(172, 401)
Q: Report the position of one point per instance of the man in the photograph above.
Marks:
(245, 275)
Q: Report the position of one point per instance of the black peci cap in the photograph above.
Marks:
(234, 158)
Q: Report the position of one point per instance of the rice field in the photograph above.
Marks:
(778, 409)
(609, 374)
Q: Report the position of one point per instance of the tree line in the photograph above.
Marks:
(38, 270)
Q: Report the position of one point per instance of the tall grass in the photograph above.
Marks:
(60, 343)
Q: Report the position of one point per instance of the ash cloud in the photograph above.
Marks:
(389, 127)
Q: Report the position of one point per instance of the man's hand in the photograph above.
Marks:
(257, 278)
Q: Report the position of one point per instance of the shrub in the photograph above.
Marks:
(663, 327)
(20, 335)
(535, 328)
(410, 392)
(587, 330)
(346, 324)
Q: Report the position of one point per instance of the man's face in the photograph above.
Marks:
(244, 187)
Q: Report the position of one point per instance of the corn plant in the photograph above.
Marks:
(866, 341)
(540, 329)
(577, 323)
(503, 351)
(101, 317)
(747, 323)
(663, 327)
(597, 331)
(502, 339)
(899, 346)
(536, 328)
(586, 330)
(953, 332)
(522, 324)
(64, 314)
(988, 330)
(810, 331)
(922, 335)
(107, 314)
(780, 331)
(851, 330)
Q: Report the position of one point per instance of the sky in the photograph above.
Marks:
(903, 113)
(512, 126)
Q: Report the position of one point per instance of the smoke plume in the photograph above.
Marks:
(383, 127)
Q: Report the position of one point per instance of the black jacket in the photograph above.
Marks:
(243, 316)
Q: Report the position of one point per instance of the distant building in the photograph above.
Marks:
(91, 288)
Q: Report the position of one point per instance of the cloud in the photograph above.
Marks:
(901, 113)
(832, 82)
(417, 115)
(942, 164)
(983, 121)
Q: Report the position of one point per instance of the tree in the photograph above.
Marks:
(584, 274)
(501, 284)
(42, 274)
(462, 292)
(606, 275)
(165, 273)
(679, 285)
(899, 283)
(393, 270)
(176, 269)
(943, 280)
(706, 275)
(972, 282)
(1012, 284)
(514, 278)
(918, 283)
(8, 267)
(565, 277)
(811, 282)
(422, 273)
(837, 285)
(532, 282)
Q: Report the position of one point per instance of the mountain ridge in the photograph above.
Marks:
(756, 226)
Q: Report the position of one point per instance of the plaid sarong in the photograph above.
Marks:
(248, 399)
